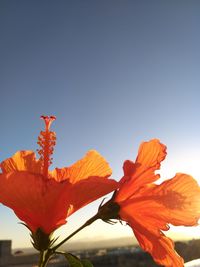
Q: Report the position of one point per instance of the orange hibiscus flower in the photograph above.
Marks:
(149, 208)
(43, 199)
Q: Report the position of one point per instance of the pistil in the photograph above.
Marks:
(47, 141)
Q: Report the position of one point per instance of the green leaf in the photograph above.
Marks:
(86, 263)
(73, 260)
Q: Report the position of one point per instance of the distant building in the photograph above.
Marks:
(9, 260)
(5, 252)
(104, 257)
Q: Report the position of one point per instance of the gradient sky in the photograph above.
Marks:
(115, 73)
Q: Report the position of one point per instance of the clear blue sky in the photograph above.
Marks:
(114, 73)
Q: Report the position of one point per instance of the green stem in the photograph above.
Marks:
(41, 259)
(44, 258)
(90, 221)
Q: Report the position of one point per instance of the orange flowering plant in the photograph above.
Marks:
(43, 199)
(149, 208)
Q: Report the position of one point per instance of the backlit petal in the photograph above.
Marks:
(150, 238)
(93, 164)
(160, 247)
(22, 161)
(179, 199)
(39, 203)
(142, 172)
(150, 155)
(176, 201)
(89, 189)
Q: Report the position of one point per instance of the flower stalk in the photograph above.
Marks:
(87, 223)
(44, 258)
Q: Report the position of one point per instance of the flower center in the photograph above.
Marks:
(47, 141)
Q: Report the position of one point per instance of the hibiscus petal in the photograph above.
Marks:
(39, 203)
(142, 172)
(89, 189)
(179, 199)
(151, 154)
(160, 247)
(22, 161)
(150, 238)
(175, 201)
(93, 164)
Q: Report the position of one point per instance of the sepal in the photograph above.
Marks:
(42, 241)
(108, 211)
